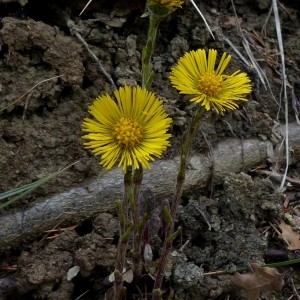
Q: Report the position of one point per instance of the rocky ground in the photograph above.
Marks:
(48, 78)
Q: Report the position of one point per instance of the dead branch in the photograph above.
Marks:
(99, 195)
(79, 203)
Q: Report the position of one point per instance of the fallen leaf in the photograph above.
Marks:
(111, 277)
(289, 236)
(229, 21)
(148, 254)
(72, 272)
(260, 280)
(128, 276)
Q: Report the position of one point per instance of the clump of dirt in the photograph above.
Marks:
(42, 271)
(47, 81)
(212, 226)
(41, 126)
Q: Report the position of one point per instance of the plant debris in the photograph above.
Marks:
(259, 281)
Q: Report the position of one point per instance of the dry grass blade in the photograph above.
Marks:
(264, 79)
(26, 93)
(295, 104)
(17, 193)
(253, 63)
(85, 7)
(203, 18)
(284, 89)
(246, 62)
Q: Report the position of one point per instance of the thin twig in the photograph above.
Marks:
(294, 104)
(264, 28)
(75, 32)
(211, 156)
(183, 246)
(47, 234)
(84, 293)
(20, 98)
(203, 215)
(26, 105)
(294, 289)
(277, 178)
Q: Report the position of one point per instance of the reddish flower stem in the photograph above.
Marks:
(124, 229)
(167, 247)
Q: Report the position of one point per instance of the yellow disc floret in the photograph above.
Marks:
(210, 84)
(128, 133)
(169, 4)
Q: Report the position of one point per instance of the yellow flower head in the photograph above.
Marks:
(169, 4)
(130, 130)
(195, 74)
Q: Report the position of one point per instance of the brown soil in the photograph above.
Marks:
(54, 78)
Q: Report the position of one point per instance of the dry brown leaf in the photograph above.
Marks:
(259, 281)
(289, 236)
(229, 21)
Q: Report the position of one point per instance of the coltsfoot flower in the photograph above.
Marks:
(195, 74)
(169, 4)
(129, 129)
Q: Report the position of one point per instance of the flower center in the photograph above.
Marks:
(128, 133)
(210, 84)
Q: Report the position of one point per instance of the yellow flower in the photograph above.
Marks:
(195, 74)
(128, 130)
(169, 4)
